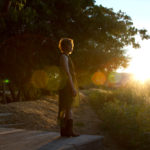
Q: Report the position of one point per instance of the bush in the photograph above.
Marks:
(125, 115)
(30, 93)
(135, 94)
(127, 123)
(98, 98)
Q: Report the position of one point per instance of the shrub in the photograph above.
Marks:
(127, 123)
(97, 98)
(125, 115)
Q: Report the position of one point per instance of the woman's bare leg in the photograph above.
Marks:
(68, 113)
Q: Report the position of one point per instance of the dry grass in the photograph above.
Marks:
(42, 115)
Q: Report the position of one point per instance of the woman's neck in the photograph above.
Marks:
(66, 53)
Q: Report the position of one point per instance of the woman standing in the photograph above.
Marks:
(68, 95)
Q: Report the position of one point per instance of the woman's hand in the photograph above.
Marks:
(74, 92)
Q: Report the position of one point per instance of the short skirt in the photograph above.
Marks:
(65, 97)
(66, 100)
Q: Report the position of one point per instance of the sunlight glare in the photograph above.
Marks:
(139, 66)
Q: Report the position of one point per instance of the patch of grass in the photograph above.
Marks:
(125, 115)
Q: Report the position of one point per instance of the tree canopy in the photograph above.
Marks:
(30, 31)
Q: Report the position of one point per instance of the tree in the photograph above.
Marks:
(5, 5)
(99, 34)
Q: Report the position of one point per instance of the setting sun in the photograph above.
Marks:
(139, 65)
(142, 76)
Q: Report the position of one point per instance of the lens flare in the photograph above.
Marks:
(98, 78)
(50, 78)
(56, 80)
(39, 79)
(6, 81)
(114, 77)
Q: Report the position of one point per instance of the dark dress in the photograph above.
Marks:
(66, 100)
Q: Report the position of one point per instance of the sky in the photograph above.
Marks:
(139, 11)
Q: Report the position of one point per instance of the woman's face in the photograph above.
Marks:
(70, 48)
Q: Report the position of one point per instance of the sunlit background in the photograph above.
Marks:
(139, 11)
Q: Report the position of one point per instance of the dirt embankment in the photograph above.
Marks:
(42, 115)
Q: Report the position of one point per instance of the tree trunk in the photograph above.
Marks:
(6, 6)
(4, 94)
(19, 95)
(12, 92)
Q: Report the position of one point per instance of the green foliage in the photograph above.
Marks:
(122, 122)
(30, 93)
(98, 98)
(24, 58)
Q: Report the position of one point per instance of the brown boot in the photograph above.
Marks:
(63, 127)
(69, 129)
